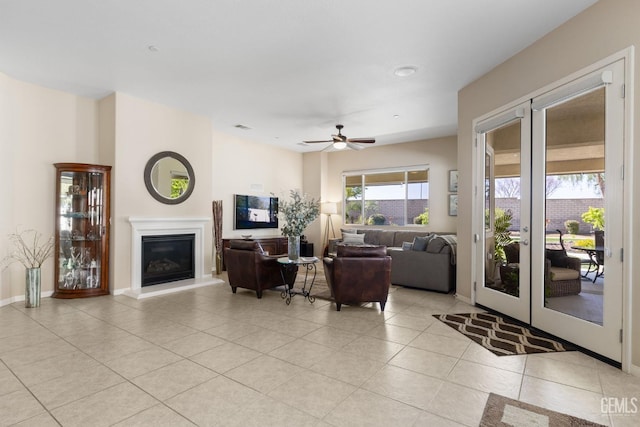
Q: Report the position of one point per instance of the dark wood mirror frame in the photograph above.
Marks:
(148, 170)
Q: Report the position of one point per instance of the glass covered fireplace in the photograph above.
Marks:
(167, 258)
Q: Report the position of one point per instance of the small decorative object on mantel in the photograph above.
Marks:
(297, 213)
(217, 233)
(31, 251)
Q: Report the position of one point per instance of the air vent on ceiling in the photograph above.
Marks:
(243, 127)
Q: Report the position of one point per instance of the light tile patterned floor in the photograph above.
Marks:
(211, 358)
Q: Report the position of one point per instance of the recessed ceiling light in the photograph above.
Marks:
(243, 127)
(396, 116)
(405, 71)
(152, 48)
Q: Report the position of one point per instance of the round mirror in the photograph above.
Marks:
(169, 177)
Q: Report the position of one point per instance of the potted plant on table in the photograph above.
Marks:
(30, 250)
(297, 213)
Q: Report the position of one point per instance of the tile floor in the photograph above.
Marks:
(208, 357)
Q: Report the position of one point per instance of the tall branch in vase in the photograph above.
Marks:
(217, 233)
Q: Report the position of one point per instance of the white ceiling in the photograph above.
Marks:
(288, 69)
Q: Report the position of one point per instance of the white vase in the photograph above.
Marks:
(294, 247)
(32, 288)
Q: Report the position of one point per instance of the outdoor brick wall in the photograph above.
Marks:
(558, 211)
(393, 210)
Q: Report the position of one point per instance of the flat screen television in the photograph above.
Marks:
(255, 212)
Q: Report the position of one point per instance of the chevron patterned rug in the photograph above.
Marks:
(500, 335)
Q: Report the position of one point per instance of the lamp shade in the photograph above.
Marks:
(329, 208)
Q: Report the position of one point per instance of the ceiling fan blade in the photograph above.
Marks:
(318, 142)
(355, 146)
(362, 140)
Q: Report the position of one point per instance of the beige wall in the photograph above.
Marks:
(602, 30)
(41, 127)
(242, 167)
(142, 129)
(38, 127)
(439, 154)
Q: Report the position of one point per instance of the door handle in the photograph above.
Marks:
(525, 242)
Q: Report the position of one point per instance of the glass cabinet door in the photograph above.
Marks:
(82, 223)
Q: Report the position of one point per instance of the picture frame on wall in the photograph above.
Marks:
(453, 181)
(453, 205)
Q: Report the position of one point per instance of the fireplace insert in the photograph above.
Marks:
(167, 258)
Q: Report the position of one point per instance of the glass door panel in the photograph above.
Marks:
(504, 144)
(578, 140)
(574, 206)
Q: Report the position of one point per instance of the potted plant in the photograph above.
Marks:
(30, 250)
(297, 214)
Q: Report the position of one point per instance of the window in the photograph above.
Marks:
(387, 197)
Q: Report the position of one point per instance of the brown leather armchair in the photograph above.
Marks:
(249, 268)
(359, 274)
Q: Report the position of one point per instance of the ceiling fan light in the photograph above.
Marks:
(340, 145)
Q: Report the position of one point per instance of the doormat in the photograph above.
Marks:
(501, 411)
(502, 336)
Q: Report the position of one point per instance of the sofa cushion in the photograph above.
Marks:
(420, 243)
(407, 246)
(406, 236)
(512, 252)
(374, 236)
(371, 237)
(348, 230)
(559, 273)
(558, 257)
(353, 239)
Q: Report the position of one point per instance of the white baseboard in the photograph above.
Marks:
(19, 298)
(463, 299)
(634, 370)
(168, 288)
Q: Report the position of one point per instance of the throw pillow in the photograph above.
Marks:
(352, 239)
(558, 257)
(420, 243)
(407, 246)
(348, 230)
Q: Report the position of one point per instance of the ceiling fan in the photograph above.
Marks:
(340, 141)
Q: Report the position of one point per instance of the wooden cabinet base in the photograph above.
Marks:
(79, 293)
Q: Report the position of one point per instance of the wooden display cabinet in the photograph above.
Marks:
(82, 230)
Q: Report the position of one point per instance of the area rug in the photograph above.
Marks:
(501, 411)
(320, 287)
(500, 335)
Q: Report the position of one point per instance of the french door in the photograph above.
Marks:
(579, 129)
(504, 151)
(570, 138)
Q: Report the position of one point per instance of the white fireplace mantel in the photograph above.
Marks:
(149, 226)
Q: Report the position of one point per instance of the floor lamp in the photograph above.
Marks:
(329, 208)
